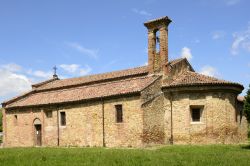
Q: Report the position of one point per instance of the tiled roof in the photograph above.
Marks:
(190, 78)
(44, 82)
(150, 23)
(175, 61)
(97, 90)
(110, 76)
(54, 84)
(139, 71)
(104, 85)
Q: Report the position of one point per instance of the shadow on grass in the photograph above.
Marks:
(246, 147)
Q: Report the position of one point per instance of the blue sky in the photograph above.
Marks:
(84, 37)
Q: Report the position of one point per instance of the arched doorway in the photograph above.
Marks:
(37, 132)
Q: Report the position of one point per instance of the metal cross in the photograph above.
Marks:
(55, 68)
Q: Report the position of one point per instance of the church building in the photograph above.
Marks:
(164, 102)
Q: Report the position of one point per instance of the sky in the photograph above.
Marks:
(83, 37)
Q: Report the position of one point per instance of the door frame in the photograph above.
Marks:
(37, 132)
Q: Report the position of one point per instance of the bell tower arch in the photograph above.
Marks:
(158, 44)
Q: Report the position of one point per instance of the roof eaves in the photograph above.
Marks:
(203, 84)
(4, 103)
(76, 101)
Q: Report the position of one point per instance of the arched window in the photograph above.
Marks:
(157, 42)
(37, 121)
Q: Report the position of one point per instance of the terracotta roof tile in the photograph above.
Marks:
(115, 75)
(95, 78)
(103, 85)
(44, 82)
(98, 90)
(192, 78)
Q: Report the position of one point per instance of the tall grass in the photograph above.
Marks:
(169, 155)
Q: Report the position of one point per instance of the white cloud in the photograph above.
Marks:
(15, 79)
(70, 68)
(241, 41)
(84, 71)
(141, 12)
(42, 74)
(12, 67)
(12, 83)
(76, 69)
(218, 35)
(209, 71)
(86, 51)
(186, 53)
(231, 2)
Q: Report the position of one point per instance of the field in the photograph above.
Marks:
(168, 155)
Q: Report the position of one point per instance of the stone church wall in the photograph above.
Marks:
(20, 132)
(84, 125)
(153, 114)
(129, 132)
(218, 119)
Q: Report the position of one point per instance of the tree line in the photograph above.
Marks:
(1, 117)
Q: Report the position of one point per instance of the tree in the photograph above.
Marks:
(1, 128)
(247, 105)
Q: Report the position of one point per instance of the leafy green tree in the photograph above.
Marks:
(1, 125)
(247, 105)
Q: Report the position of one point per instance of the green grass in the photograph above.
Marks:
(169, 155)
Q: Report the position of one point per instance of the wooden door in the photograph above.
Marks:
(38, 135)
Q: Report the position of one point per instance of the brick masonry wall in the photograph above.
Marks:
(218, 122)
(20, 133)
(128, 133)
(146, 121)
(153, 114)
(84, 125)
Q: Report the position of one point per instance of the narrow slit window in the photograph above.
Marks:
(119, 113)
(236, 115)
(15, 120)
(63, 118)
(157, 42)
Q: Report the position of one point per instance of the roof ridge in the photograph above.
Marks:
(43, 82)
(93, 85)
(189, 78)
(211, 77)
(77, 81)
(101, 90)
(105, 73)
(100, 77)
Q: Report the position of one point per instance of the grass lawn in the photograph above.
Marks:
(169, 155)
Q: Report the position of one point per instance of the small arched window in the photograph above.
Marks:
(157, 42)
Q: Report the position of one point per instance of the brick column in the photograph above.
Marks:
(151, 50)
(163, 45)
(164, 48)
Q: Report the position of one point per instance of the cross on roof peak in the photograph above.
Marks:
(55, 75)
